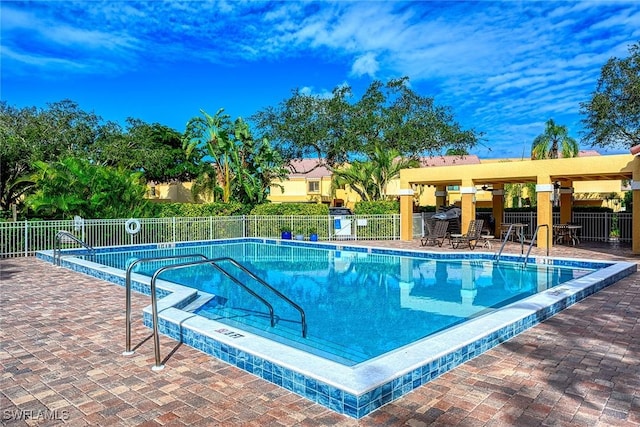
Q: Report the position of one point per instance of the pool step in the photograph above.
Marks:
(286, 332)
(204, 299)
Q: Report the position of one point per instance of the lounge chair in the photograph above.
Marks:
(436, 235)
(471, 237)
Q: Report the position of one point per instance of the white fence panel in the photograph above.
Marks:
(596, 226)
(24, 238)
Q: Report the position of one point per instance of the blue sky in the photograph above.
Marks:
(504, 68)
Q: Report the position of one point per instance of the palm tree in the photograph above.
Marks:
(75, 186)
(386, 167)
(370, 178)
(242, 168)
(358, 176)
(555, 137)
(213, 132)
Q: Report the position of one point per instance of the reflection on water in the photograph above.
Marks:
(358, 305)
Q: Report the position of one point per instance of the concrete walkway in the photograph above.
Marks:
(62, 335)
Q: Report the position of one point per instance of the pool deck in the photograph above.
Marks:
(62, 335)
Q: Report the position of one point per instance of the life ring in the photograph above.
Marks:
(132, 226)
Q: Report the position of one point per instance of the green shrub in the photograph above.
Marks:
(379, 207)
(307, 209)
(168, 210)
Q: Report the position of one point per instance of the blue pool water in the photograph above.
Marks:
(358, 305)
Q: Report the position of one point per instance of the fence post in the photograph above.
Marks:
(26, 238)
(533, 222)
(354, 227)
(394, 228)
(244, 226)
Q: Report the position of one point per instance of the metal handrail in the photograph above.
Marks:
(504, 243)
(533, 238)
(303, 318)
(154, 301)
(57, 247)
(127, 284)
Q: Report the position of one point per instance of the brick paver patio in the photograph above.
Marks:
(62, 336)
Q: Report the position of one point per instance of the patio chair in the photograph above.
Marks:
(471, 237)
(437, 234)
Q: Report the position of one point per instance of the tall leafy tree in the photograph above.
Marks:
(30, 135)
(457, 152)
(336, 130)
(212, 133)
(243, 167)
(553, 141)
(153, 149)
(18, 132)
(612, 115)
(257, 165)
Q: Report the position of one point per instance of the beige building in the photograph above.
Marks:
(310, 183)
(307, 183)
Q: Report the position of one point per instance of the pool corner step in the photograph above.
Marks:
(202, 299)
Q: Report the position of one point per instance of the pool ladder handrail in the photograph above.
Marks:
(213, 261)
(533, 239)
(504, 242)
(57, 247)
(127, 285)
(303, 317)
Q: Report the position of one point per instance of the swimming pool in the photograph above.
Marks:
(383, 358)
(358, 305)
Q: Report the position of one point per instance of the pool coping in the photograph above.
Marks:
(356, 391)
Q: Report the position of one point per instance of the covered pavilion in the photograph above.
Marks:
(544, 173)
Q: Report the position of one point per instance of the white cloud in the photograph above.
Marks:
(365, 65)
(500, 65)
(310, 91)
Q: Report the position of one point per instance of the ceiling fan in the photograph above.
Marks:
(486, 188)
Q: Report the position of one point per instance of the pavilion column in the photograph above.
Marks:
(566, 201)
(406, 214)
(635, 211)
(441, 196)
(544, 190)
(468, 193)
(498, 207)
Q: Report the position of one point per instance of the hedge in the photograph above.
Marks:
(378, 207)
(307, 209)
(168, 210)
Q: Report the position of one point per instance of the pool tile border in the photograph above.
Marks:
(353, 391)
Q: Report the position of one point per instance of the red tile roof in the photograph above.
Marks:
(308, 168)
(469, 159)
(586, 153)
